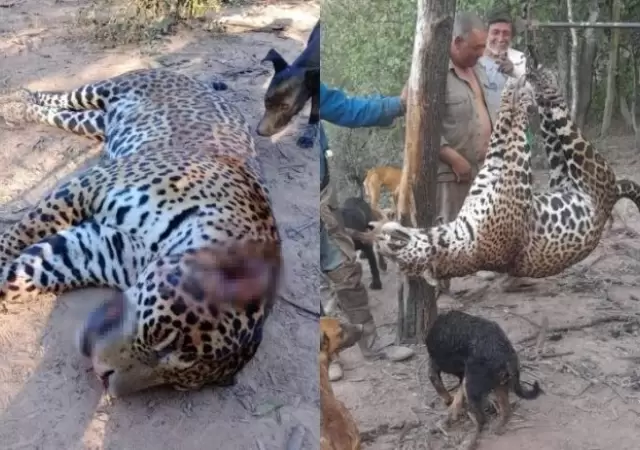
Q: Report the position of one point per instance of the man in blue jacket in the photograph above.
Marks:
(337, 254)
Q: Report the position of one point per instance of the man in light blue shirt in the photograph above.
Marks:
(500, 61)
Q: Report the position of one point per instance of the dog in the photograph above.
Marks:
(479, 353)
(290, 89)
(338, 428)
(356, 215)
(388, 177)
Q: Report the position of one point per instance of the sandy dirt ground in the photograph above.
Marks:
(48, 400)
(591, 376)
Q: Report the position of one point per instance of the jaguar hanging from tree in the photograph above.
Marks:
(506, 227)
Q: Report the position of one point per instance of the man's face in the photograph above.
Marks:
(466, 52)
(499, 38)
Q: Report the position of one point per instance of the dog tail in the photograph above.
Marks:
(520, 391)
(356, 177)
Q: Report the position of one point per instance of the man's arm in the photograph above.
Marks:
(357, 112)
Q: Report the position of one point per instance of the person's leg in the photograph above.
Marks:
(339, 263)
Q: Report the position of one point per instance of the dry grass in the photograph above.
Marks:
(116, 22)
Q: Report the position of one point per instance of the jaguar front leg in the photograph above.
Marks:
(66, 206)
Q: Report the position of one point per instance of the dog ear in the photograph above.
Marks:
(279, 63)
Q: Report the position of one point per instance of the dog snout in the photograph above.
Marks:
(351, 334)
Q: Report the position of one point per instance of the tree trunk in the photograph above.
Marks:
(611, 70)
(587, 57)
(625, 58)
(417, 307)
(573, 65)
(634, 96)
(564, 67)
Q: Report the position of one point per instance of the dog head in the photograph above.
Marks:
(336, 336)
(291, 87)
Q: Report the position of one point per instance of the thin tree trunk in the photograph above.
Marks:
(564, 67)
(587, 57)
(634, 96)
(417, 307)
(624, 107)
(611, 70)
(573, 65)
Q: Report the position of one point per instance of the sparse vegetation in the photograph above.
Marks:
(114, 22)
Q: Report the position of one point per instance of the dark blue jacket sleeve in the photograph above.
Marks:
(357, 112)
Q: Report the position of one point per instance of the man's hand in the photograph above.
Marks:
(462, 169)
(459, 165)
(505, 65)
(403, 95)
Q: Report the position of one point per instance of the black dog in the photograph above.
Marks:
(290, 89)
(356, 215)
(479, 353)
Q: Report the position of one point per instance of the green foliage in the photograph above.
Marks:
(366, 49)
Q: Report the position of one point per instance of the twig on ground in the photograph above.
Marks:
(297, 233)
(553, 355)
(542, 335)
(576, 327)
(526, 319)
(299, 307)
(388, 428)
(615, 391)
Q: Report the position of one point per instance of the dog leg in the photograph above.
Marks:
(474, 392)
(382, 263)
(503, 406)
(436, 381)
(456, 408)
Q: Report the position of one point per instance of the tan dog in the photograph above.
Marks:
(389, 177)
(338, 429)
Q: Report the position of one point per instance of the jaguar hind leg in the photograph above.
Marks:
(558, 167)
(89, 123)
(82, 256)
(90, 96)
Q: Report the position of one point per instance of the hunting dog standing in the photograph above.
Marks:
(388, 177)
(291, 87)
(479, 353)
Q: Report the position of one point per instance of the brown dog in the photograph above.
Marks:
(389, 177)
(338, 429)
